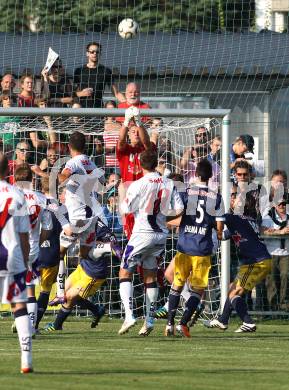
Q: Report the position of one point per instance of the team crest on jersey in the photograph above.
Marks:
(237, 238)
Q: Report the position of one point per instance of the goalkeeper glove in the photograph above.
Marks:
(128, 116)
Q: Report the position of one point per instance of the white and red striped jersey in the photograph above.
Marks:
(150, 199)
(13, 220)
(110, 139)
(80, 198)
(39, 217)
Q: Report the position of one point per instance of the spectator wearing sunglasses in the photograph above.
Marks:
(276, 223)
(92, 78)
(202, 136)
(44, 169)
(56, 86)
(22, 153)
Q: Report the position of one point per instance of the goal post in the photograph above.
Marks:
(179, 126)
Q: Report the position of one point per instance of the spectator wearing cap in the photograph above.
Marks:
(276, 223)
(56, 86)
(243, 144)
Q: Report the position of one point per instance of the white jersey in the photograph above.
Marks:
(13, 220)
(39, 217)
(81, 201)
(150, 199)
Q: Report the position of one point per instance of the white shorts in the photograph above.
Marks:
(13, 288)
(86, 235)
(33, 274)
(143, 249)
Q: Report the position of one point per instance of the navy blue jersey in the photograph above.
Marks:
(49, 255)
(97, 267)
(245, 233)
(202, 208)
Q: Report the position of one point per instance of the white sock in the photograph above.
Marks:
(23, 325)
(166, 305)
(126, 291)
(151, 301)
(32, 311)
(61, 279)
(186, 292)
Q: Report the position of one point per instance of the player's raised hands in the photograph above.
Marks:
(136, 116)
(129, 114)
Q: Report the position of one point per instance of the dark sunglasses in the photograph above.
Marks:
(93, 51)
(22, 150)
(233, 194)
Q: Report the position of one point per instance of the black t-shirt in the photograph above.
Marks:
(60, 89)
(95, 78)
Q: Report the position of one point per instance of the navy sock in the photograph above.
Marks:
(87, 305)
(240, 306)
(41, 306)
(174, 300)
(226, 313)
(191, 305)
(61, 317)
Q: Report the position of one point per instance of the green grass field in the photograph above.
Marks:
(84, 358)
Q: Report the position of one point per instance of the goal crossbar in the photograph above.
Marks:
(115, 112)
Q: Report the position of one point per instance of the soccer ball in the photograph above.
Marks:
(128, 28)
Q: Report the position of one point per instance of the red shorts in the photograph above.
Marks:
(128, 224)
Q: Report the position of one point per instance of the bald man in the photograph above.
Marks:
(132, 98)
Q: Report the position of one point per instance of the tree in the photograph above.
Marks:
(62, 16)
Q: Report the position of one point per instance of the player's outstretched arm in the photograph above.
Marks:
(122, 140)
(143, 134)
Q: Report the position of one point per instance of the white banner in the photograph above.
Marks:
(51, 58)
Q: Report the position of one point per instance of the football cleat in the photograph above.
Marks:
(146, 329)
(57, 301)
(26, 370)
(13, 328)
(183, 330)
(161, 313)
(169, 330)
(50, 327)
(215, 324)
(97, 316)
(126, 326)
(246, 328)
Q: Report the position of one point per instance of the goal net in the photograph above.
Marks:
(181, 143)
(206, 54)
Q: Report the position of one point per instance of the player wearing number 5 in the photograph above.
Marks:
(202, 212)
